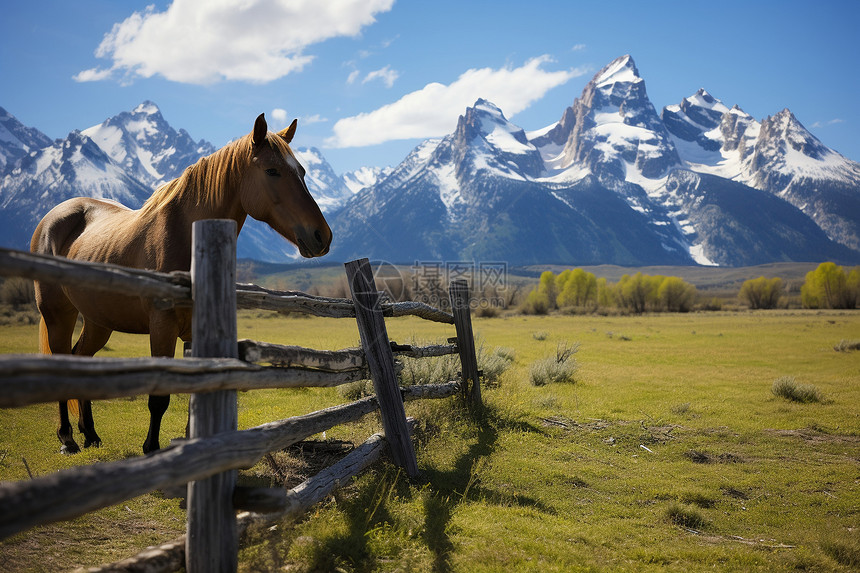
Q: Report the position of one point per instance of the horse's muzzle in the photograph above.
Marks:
(314, 243)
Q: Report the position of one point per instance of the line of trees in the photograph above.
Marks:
(828, 286)
(579, 289)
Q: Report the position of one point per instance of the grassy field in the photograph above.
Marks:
(668, 452)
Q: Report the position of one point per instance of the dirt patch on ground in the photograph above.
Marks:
(302, 460)
(700, 457)
(816, 436)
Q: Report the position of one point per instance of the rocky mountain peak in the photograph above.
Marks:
(619, 70)
(146, 145)
(615, 127)
(486, 140)
(784, 127)
(17, 140)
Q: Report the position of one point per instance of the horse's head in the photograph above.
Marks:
(273, 191)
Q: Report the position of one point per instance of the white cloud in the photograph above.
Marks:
(279, 119)
(353, 75)
(205, 41)
(279, 115)
(311, 119)
(432, 110)
(577, 48)
(828, 122)
(92, 75)
(386, 74)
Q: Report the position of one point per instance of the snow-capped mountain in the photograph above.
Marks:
(363, 177)
(478, 194)
(70, 167)
(612, 130)
(146, 146)
(611, 182)
(778, 155)
(17, 140)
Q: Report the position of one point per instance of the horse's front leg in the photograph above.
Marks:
(162, 342)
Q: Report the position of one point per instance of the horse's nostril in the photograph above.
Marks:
(318, 236)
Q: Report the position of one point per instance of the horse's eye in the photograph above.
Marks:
(272, 172)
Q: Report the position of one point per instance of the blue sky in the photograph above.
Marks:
(369, 79)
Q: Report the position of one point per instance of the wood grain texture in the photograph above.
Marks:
(380, 362)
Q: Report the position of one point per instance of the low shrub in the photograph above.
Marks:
(18, 292)
(555, 369)
(787, 387)
(847, 345)
(438, 370)
(685, 516)
(494, 363)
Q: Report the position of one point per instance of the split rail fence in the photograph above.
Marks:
(208, 460)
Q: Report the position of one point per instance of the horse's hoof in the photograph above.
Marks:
(93, 443)
(70, 448)
(148, 449)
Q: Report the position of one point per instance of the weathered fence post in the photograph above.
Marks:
(459, 293)
(380, 362)
(211, 543)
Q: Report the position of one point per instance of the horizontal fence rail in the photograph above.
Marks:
(252, 296)
(174, 289)
(55, 378)
(169, 288)
(32, 379)
(329, 360)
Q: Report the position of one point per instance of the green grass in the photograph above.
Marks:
(670, 453)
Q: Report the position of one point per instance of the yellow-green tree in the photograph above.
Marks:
(634, 292)
(548, 288)
(576, 288)
(829, 286)
(605, 294)
(676, 295)
(761, 292)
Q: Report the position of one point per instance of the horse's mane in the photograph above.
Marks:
(208, 180)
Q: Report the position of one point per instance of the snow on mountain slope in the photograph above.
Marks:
(146, 145)
(363, 177)
(71, 167)
(17, 140)
(612, 128)
(328, 189)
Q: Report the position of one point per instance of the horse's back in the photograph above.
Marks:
(65, 223)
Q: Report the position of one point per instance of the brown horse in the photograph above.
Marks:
(257, 175)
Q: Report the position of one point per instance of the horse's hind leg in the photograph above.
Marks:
(55, 337)
(93, 338)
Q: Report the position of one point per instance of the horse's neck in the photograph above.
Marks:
(208, 190)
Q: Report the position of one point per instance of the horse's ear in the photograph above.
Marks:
(290, 132)
(260, 129)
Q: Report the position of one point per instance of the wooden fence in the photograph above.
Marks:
(219, 366)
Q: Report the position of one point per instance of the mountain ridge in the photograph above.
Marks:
(612, 182)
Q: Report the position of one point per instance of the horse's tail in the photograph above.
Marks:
(45, 348)
(44, 345)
